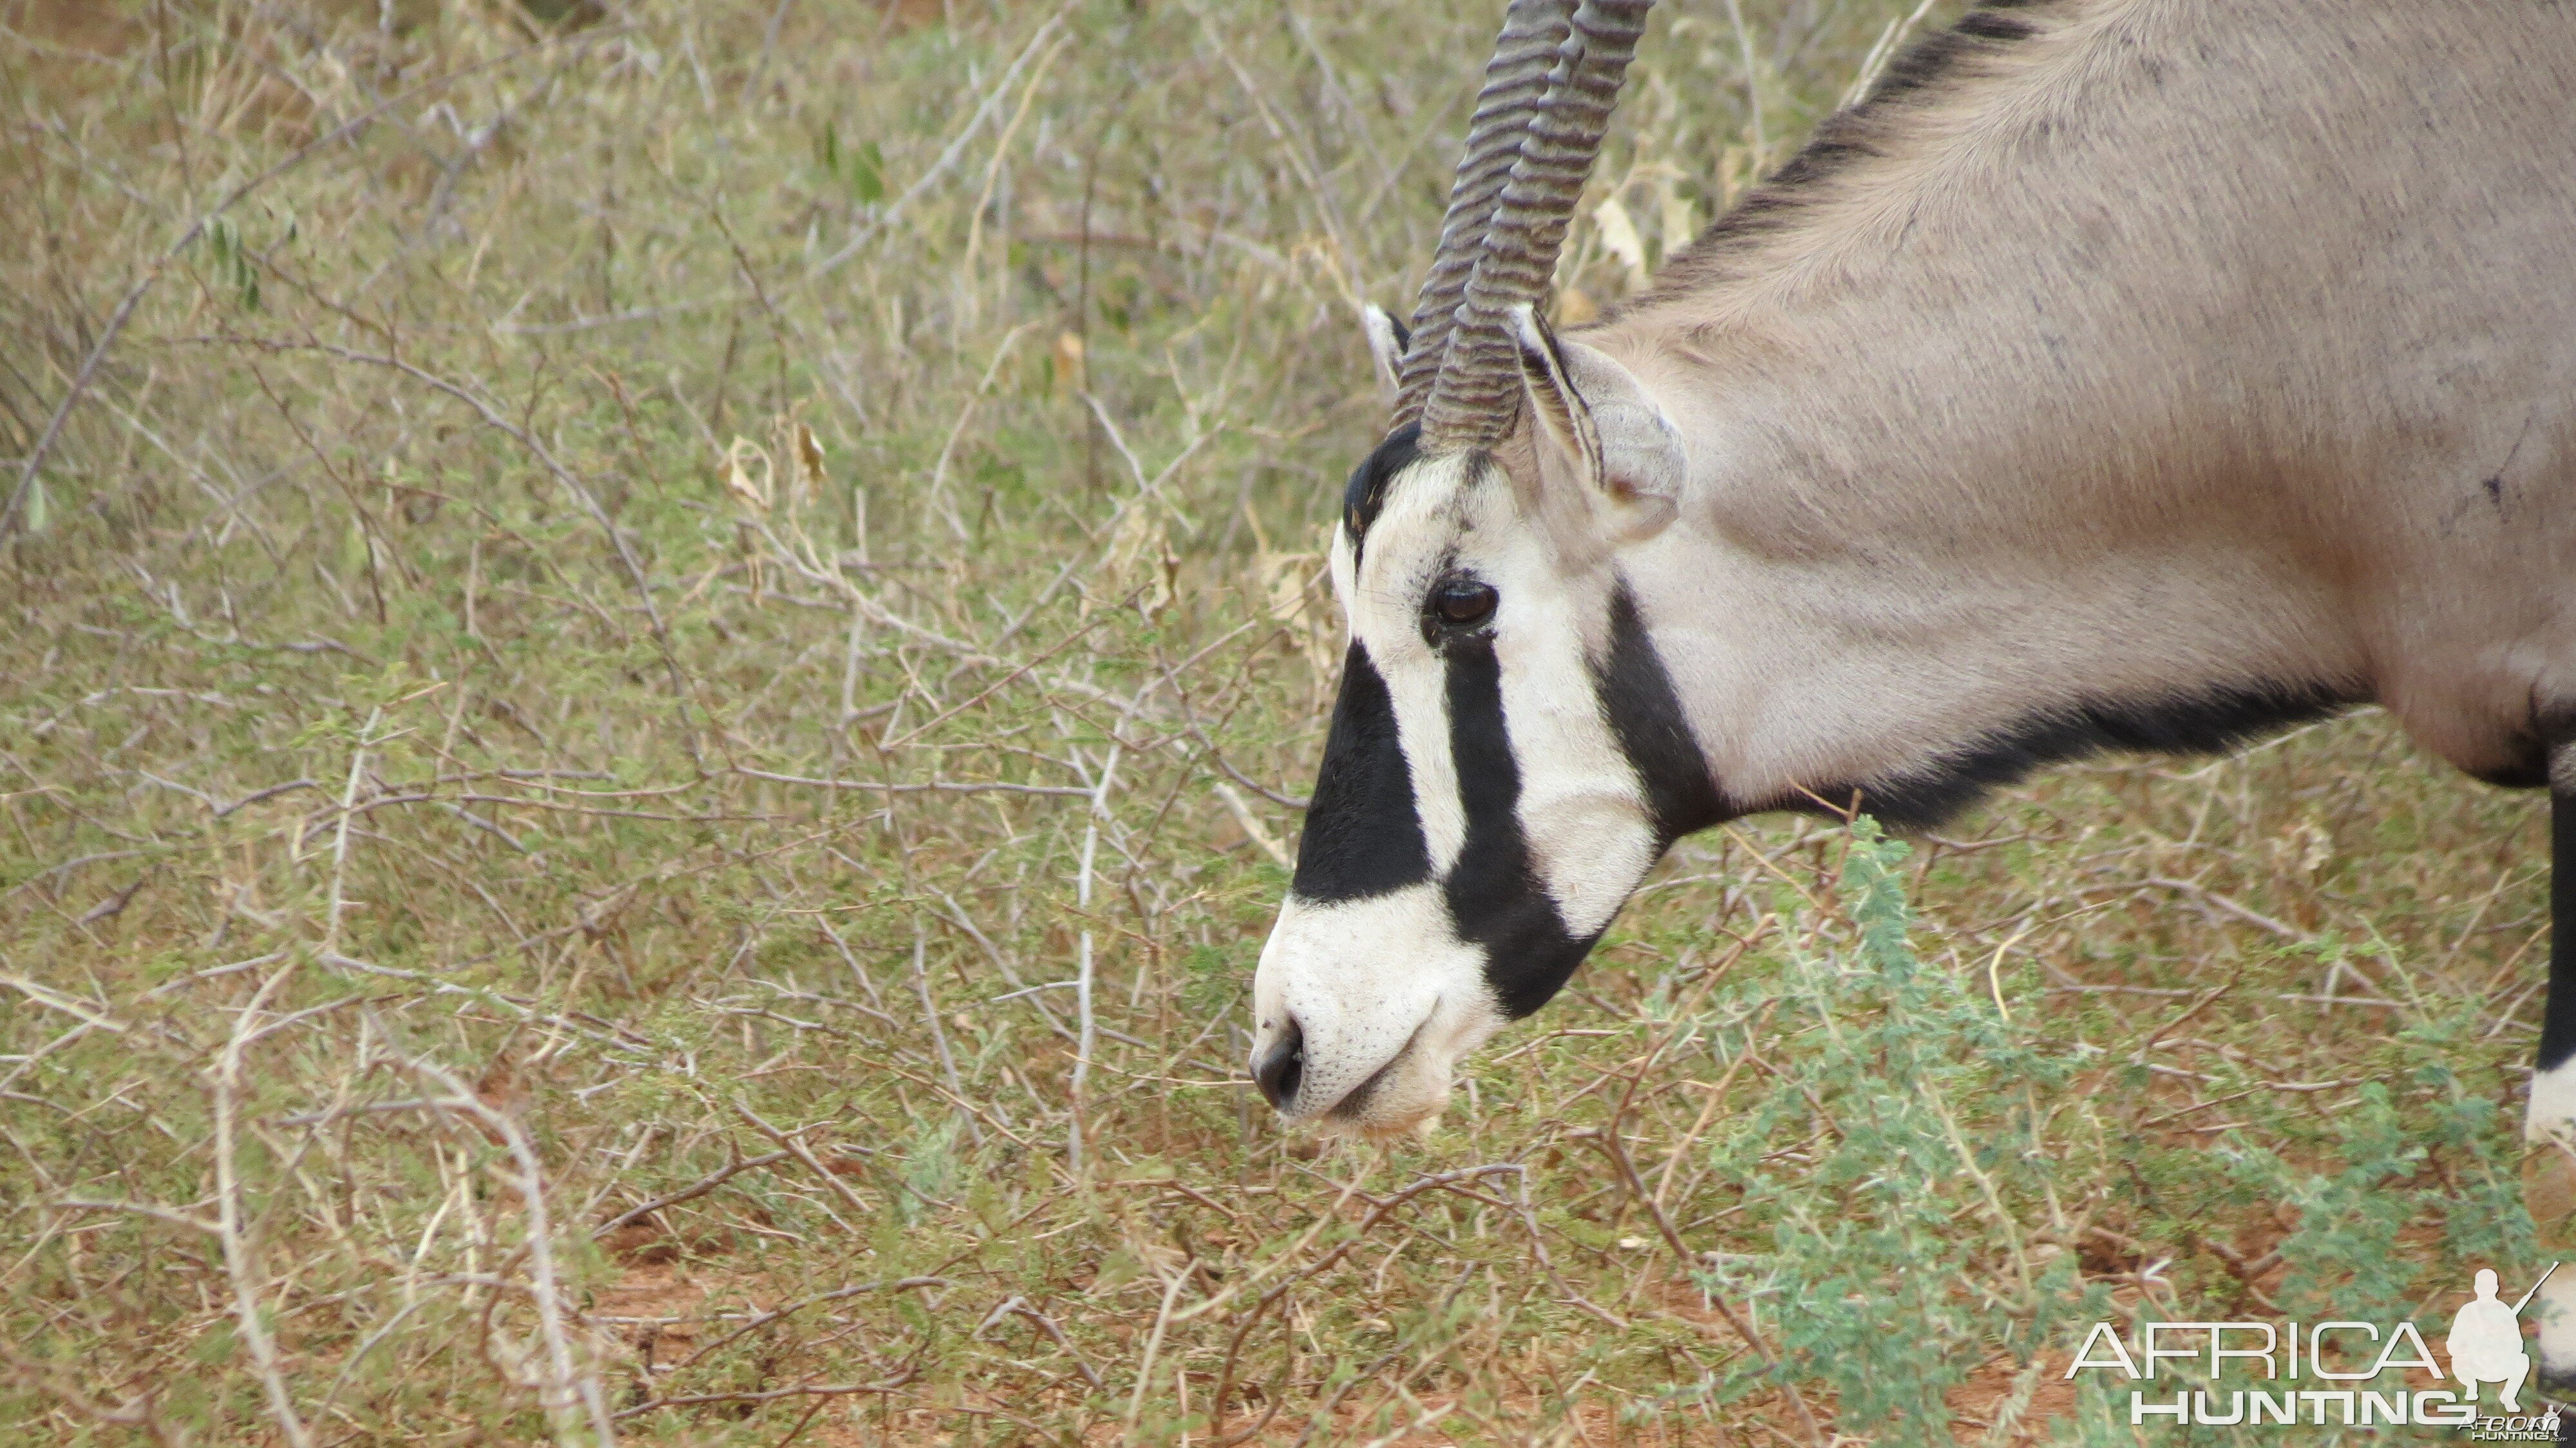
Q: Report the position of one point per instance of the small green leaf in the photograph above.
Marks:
(216, 1347)
(867, 173)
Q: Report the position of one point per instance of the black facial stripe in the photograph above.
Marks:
(1495, 897)
(1363, 833)
(1637, 697)
(1365, 494)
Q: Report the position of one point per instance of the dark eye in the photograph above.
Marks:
(1463, 602)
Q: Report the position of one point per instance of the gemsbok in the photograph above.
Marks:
(2130, 374)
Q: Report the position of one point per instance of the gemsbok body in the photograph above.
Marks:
(2136, 374)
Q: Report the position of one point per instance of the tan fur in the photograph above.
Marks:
(2183, 342)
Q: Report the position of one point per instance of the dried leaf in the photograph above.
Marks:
(1291, 584)
(753, 493)
(1137, 558)
(1680, 220)
(1072, 364)
(807, 449)
(1619, 234)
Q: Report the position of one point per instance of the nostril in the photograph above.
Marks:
(1281, 1065)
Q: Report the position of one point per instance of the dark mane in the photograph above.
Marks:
(1929, 71)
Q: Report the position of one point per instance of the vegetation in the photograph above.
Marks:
(657, 663)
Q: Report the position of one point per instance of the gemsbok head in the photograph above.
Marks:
(1478, 820)
(2137, 374)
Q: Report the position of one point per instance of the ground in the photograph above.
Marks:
(609, 607)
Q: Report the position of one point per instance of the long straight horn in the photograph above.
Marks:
(1475, 391)
(1515, 87)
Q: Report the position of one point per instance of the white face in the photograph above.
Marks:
(1486, 802)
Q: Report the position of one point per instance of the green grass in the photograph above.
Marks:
(470, 771)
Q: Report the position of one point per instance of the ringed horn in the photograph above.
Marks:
(1538, 124)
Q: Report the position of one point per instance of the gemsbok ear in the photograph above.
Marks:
(1387, 340)
(1563, 415)
(1596, 423)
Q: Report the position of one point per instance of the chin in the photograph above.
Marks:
(1420, 1126)
(1408, 1102)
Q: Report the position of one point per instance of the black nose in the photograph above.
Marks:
(1280, 1066)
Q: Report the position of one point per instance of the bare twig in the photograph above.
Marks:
(231, 1224)
(691, 1192)
(569, 1392)
(123, 312)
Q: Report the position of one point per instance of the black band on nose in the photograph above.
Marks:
(1363, 831)
(1280, 1066)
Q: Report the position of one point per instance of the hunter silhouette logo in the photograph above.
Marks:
(2326, 1373)
(2485, 1341)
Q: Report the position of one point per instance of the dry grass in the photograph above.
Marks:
(656, 671)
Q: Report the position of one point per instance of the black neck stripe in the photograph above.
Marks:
(1637, 698)
(2213, 720)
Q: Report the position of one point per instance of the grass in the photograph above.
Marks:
(643, 618)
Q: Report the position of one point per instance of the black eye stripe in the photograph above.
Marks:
(1495, 897)
(1364, 834)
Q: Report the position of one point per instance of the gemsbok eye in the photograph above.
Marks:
(1463, 602)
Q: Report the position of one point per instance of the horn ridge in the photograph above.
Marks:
(1474, 399)
(1515, 88)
